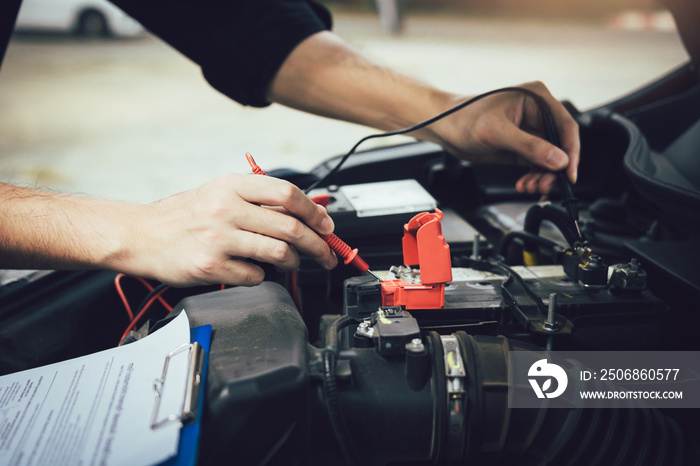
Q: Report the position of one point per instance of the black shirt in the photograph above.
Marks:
(239, 44)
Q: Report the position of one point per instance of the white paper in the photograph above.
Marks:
(96, 410)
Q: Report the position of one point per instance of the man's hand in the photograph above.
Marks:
(325, 76)
(202, 236)
(205, 235)
(507, 128)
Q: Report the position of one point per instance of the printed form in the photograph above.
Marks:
(97, 409)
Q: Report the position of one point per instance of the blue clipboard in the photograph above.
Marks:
(189, 434)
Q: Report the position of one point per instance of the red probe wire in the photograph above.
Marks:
(149, 287)
(256, 168)
(349, 255)
(143, 311)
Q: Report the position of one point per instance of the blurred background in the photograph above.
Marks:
(124, 116)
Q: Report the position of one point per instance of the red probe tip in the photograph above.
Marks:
(336, 244)
(254, 166)
(350, 256)
(356, 261)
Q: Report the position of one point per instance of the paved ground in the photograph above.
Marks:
(133, 120)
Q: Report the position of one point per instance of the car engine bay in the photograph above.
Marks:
(335, 367)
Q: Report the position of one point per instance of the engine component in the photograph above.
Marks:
(588, 270)
(394, 328)
(266, 404)
(474, 302)
(629, 277)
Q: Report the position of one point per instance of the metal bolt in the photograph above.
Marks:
(476, 246)
(364, 325)
(415, 346)
(551, 324)
(634, 264)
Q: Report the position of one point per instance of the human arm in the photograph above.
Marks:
(200, 236)
(324, 75)
(261, 51)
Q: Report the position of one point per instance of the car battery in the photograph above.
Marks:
(371, 217)
(474, 303)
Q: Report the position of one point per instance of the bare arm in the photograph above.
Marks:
(41, 229)
(324, 75)
(200, 236)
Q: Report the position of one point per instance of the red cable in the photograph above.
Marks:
(143, 311)
(295, 290)
(120, 292)
(150, 288)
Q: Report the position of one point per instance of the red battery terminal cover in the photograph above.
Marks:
(423, 245)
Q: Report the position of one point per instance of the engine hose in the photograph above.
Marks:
(330, 388)
(530, 237)
(331, 336)
(533, 220)
(496, 434)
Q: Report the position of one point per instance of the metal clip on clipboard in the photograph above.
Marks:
(190, 404)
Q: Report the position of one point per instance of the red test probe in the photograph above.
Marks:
(349, 255)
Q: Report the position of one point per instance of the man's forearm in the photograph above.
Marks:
(201, 236)
(327, 77)
(41, 229)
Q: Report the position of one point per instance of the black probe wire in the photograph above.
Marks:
(551, 134)
(539, 100)
(569, 201)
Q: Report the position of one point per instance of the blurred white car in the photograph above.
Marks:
(93, 18)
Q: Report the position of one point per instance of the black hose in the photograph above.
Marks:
(331, 340)
(496, 434)
(510, 236)
(330, 388)
(397, 425)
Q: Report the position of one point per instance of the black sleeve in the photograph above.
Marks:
(239, 44)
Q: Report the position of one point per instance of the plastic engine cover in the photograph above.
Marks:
(257, 382)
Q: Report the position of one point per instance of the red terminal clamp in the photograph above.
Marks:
(423, 245)
(349, 255)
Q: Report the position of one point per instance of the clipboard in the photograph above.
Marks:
(190, 416)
